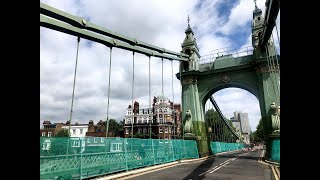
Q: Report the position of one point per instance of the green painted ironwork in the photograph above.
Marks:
(58, 20)
(77, 158)
(275, 150)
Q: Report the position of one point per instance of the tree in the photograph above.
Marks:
(114, 126)
(63, 133)
(258, 135)
(220, 131)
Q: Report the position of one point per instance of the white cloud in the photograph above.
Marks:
(155, 22)
(240, 15)
(235, 99)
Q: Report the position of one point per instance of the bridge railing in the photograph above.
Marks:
(77, 158)
(218, 147)
(228, 51)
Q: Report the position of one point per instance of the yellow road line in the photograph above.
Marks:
(274, 173)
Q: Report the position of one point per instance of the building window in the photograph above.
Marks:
(160, 130)
(140, 130)
(115, 147)
(74, 131)
(81, 131)
(46, 145)
(144, 130)
(166, 129)
(160, 120)
(95, 140)
(49, 134)
(127, 130)
(43, 134)
(76, 143)
(102, 140)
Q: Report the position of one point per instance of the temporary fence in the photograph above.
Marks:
(78, 158)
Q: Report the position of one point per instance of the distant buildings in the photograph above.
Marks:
(163, 119)
(241, 122)
(51, 130)
(98, 130)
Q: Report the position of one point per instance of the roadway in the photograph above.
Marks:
(232, 166)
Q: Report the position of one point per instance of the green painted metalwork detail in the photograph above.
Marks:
(275, 150)
(75, 158)
(80, 27)
(218, 147)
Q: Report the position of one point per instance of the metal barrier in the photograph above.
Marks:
(234, 52)
(78, 158)
(275, 150)
(218, 147)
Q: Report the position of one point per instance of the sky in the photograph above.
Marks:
(215, 23)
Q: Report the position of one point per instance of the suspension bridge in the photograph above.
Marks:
(255, 69)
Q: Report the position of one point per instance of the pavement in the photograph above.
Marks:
(235, 165)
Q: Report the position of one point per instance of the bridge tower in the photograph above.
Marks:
(269, 97)
(257, 73)
(193, 118)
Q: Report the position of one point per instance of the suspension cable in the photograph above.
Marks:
(268, 61)
(278, 68)
(173, 110)
(107, 130)
(277, 73)
(162, 77)
(150, 128)
(74, 85)
(132, 120)
(271, 73)
(274, 80)
(182, 125)
(277, 32)
(215, 125)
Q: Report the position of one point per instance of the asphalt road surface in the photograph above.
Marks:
(231, 166)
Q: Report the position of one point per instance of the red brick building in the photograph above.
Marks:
(164, 122)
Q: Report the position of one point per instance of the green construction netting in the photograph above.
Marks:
(275, 150)
(72, 158)
(218, 147)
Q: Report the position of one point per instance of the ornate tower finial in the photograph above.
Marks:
(255, 4)
(188, 20)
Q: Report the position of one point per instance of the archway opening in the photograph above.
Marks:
(240, 107)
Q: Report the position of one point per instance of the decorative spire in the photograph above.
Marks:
(255, 4)
(189, 30)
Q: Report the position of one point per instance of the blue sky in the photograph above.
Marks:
(216, 24)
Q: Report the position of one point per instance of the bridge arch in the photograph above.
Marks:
(221, 86)
(247, 73)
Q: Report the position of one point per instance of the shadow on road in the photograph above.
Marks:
(203, 167)
(240, 157)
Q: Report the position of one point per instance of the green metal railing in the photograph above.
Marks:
(78, 158)
(218, 147)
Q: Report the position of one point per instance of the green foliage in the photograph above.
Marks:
(115, 127)
(138, 135)
(258, 135)
(220, 132)
(62, 133)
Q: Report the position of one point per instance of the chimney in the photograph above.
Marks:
(136, 107)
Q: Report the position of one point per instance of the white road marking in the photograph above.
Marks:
(207, 171)
(215, 169)
(226, 161)
(225, 164)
